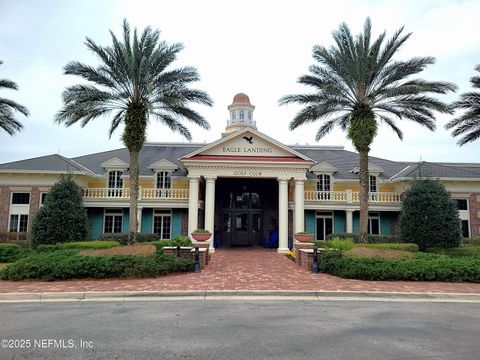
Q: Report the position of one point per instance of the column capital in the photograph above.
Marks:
(283, 179)
(300, 179)
(193, 177)
(210, 178)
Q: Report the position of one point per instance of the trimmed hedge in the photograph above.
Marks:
(176, 242)
(123, 239)
(471, 241)
(424, 267)
(404, 247)
(66, 264)
(464, 250)
(11, 252)
(371, 239)
(80, 245)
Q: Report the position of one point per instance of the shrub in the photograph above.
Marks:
(123, 238)
(62, 218)
(373, 253)
(339, 244)
(471, 241)
(201, 231)
(133, 250)
(429, 216)
(424, 267)
(371, 239)
(80, 245)
(11, 252)
(464, 250)
(178, 241)
(66, 264)
(404, 247)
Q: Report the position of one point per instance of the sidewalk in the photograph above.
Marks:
(242, 270)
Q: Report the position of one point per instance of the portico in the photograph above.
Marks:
(256, 156)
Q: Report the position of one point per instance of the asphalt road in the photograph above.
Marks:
(239, 329)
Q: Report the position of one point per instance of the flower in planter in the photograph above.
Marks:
(303, 236)
(201, 235)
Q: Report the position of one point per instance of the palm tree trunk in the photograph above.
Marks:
(133, 221)
(364, 177)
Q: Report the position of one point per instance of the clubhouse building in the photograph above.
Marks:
(245, 188)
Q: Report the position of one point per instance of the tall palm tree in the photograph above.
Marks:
(134, 83)
(8, 122)
(358, 85)
(468, 124)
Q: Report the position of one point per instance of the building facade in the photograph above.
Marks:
(245, 188)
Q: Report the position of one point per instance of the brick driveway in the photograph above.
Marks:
(241, 269)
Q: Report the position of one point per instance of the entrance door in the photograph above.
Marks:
(324, 226)
(247, 228)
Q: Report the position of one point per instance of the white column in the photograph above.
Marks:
(139, 219)
(349, 214)
(282, 215)
(192, 204)
(299, 206)
(210, 208)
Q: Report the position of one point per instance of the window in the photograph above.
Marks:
(43, 195)
(249, 115)
(323, 183)
(18, 223)
(374, 223)
(372, 184)
(164, 180)
(242, 115)
(465, 228)
(324, 224)
(462, 204)
(113, 221)
(234, 115)
(115, 180)
(162, 220)
(21, 198)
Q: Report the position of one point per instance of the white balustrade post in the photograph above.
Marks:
(282, 215)
(349, 196)
(193, 204)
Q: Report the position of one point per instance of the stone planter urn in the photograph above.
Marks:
(201, 236)
(303, 237)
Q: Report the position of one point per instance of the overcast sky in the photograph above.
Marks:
(256, 47)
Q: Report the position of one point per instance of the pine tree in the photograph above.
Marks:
(62, 218)
(429, 216)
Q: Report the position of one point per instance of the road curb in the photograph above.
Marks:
(236, 294)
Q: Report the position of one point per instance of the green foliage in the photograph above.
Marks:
(464, 250)
(362, 128)
(404, 247)
(8, 107)
(11, 252)
(424, 267)
(371, 239)
(123, 238)
(80, 245)
(65, 264)
(62, 218)
(201, 231)
(471, 241)
(429, 216)
(178, 241)
(467, 125)
(339, 244)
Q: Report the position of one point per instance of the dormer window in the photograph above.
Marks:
(164, 180)
(115, 180)
(324, 182)
(372, 184)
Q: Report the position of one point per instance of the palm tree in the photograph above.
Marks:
(468, 124)
(135, 83)
(8, 122)
(358, 86)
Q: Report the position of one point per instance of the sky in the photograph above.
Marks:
(256, 47)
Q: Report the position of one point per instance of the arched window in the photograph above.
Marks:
(242, 115)
(234, 115)
(249, 115)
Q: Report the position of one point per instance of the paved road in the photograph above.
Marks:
(239, 329)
